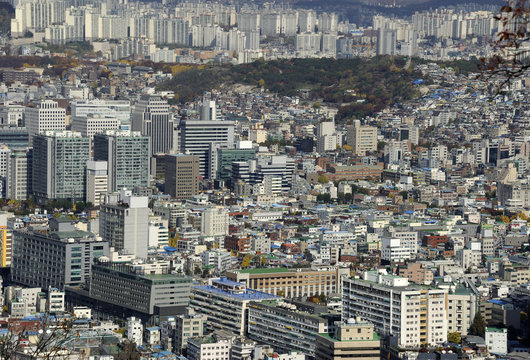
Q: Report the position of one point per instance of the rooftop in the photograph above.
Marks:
(264, 270)
(375, 337)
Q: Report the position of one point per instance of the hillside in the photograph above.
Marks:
(359, 87)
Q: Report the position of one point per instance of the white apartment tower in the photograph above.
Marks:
(413, 314)
(45, 116)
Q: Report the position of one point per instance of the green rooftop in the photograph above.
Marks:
(264, 270)
(493, 329)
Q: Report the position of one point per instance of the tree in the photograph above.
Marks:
(323, 179)
(510, 58)
(478, 326)
(246, 261)
(454, 337)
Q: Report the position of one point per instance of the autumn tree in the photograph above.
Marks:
(510, 59)
(454, 337)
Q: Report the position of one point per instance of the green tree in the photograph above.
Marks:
(323, 179)
(478, 326)
(454, 337)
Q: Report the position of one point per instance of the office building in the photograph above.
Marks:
(19, 174)
(285, 327)
(92, 124)
(62, 257)
(291, 283)
(412, 314)
(225, 158)
(59, 166)
(116, 109)
(14, 137)
(214, 222)
(497, 340)
(351, 340)
(158, 233)
(188, 325)
(45, 116)
(147, 288)
(209, 347)
(225, 303)
(127, 157)
(182, 176)
(96, 182)
(361, 138)
(152, 118)
(123, 223)
(203, 138)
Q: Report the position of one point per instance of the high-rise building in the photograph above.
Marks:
(225, 158)
(60, 258)
(203, 138)
(19, 174)
(412, 314)
(96, 182)
(361, 138)
(182, 176)
(123, 222)
(386, 41)
(46, 115)
(152, 118)
(127, 157)
(59, 165)
(326, 137)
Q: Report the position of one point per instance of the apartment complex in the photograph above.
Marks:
(292, 282)
(414, 314)
(281, 325)
(225, 303)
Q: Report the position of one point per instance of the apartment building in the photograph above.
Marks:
(292, 282)
(225, 303)
(413, 314)
(361, 138)
(462, 305)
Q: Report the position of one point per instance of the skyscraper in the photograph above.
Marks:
(152, 118)
(127, 156)
(96, 181)
(46, 115)
(182, 176)
(203, 138)
(59, 165)
(19, 174)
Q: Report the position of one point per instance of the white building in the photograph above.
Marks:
(92, 124)
(214, 222)
(209, 348)
(96, 182)
(413, 314)
(118, 109)
(393, 249)
(46, 115)
(55, 300)
(219, 260)
(134, 330)
(12, 115)
(158, 232)
(497, 340)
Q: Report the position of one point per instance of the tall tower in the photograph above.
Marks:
(152, 118)
(127, 157)
(59, 165)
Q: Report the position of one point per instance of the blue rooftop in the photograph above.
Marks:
(497, 301)
(248, 294)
